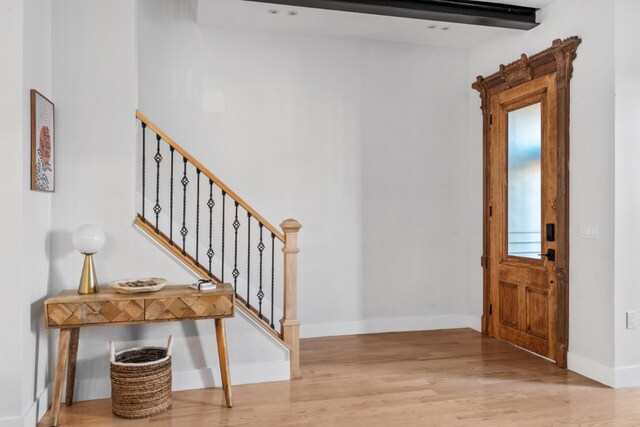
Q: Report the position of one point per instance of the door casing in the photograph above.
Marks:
(557, 59)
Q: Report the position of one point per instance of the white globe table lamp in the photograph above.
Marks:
(88, 239)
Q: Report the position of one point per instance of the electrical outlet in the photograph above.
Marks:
(631, 319)
(589, 231)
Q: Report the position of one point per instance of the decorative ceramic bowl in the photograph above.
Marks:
(134, 286)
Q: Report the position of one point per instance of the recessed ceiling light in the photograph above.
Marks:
(293, 13)
(273, 11)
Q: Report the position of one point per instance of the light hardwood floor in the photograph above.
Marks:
(433, 378)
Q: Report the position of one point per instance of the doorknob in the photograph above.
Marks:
(551, 254)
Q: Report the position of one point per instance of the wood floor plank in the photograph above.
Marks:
(432, 378)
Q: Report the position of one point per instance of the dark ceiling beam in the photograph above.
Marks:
(455, 11)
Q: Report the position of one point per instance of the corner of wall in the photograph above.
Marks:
(33, 413)
(591, 369)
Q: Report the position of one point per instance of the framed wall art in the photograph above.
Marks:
(42, 143)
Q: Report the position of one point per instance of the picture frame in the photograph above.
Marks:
(42, 143)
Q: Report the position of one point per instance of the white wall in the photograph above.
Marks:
(344, 123)
(591, 314)
(27, 215)
(414, 203)
(36, 236)
(358, 140)
(627, 178)
(11, 139)
(95, 90)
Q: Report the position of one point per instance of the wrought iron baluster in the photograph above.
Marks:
(158, 158)
(144, 170)
(185, 182)
(248, 258)
(273, 245)
(224, 199)
(210, 205)
(235, 273)
(171, 198)
(197, 213)
(260, 293)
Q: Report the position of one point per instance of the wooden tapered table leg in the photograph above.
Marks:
(71, 369)
(61, 369)
(221, 338)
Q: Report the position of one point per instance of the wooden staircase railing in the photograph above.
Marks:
(186, 244)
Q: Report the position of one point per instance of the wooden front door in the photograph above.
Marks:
(523, 217)
(525, 253)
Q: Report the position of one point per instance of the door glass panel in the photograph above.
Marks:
(524, 182)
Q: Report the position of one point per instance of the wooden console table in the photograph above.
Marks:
(70, 311)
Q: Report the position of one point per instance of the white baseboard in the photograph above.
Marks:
(100, 388)
(591, 369)
(612, 377)
(475, 323)
(244, 373)
(12, 422)
(32, 415)
(37, 409)
(402, 324)
(628, 376)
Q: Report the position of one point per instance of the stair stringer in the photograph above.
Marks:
(245, 312)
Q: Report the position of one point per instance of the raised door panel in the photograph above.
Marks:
(509, 305)
(537, 312)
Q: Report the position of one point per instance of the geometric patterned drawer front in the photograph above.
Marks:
(95, 312)
(188, 307)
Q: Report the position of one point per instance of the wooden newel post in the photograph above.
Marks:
(290, 323)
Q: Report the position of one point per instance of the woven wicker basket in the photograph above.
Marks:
(141, 381)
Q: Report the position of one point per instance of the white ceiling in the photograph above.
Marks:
(248, 15)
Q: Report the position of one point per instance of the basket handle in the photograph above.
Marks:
(169, 345)
(112, 357)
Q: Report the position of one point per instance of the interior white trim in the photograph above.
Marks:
(242, 373)
(628, 376)
(166, 251)
(196, 277)
(32, 415)
(11, 422)
(475, 323)
(591, 369)
(402, 324)
(37, 409)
